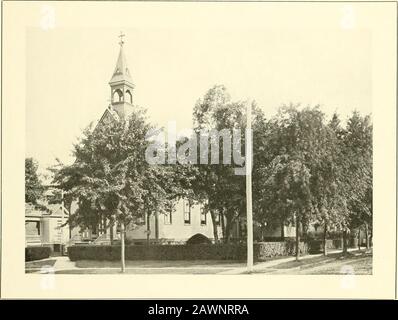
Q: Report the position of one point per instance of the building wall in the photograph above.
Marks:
(275, 231)
(177, 229)
(49, 231)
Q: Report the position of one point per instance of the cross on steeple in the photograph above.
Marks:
(121, 38)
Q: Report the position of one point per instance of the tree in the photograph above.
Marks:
(218, 183)
(298, 180)
(357, 151)
(111, 178)
(33, 185)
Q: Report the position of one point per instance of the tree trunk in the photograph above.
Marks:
(111, 236)
(148, 228)
(122, 247)
(345, 241)
(297, 238)
(104, 225)
(215, 227)
(227, 231)
(237, 223)
(325, 230)
(223, 227)
(359, 239)
(156, 226)
(282, 231)
(367, 236)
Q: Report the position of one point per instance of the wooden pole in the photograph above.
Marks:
(325, 230)
(62, 219)
(249, 212)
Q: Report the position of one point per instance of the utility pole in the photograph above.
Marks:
(249, 212)
(62, 219)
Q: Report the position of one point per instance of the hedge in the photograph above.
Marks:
(37, 253)
(261, 251)
(316, 245)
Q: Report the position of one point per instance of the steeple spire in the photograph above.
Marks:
(121, 84)
(121, 38)
(122, 72)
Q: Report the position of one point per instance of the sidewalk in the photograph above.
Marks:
(63, 264)
(262, 266)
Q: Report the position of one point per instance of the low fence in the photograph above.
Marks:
(261, 251)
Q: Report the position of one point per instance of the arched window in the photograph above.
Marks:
(117, 96)
(129, 96)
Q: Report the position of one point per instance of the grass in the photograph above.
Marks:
(355, 262)
(143, 271)
(177, 264)
(39, 265)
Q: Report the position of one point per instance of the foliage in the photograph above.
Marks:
(33, 185)
(111, 178)
(220, 186)
(227, 251)
(37, 253)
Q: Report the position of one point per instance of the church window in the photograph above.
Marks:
(32, 228)
(129, 96)
(203, 216)
(218, 219)
(187, 212)
(117, 96)
(168, 217)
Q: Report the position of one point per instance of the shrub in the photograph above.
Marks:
(37, 253)
(262, 251)
(316, 246)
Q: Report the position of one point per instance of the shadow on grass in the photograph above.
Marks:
(160, 264)
(192, 271)
(40, 263)
(358, 262)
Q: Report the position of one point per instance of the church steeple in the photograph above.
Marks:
(121, 85)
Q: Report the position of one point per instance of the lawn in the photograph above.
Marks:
(35, 266)
(355, 262)
(358, 263)
(175, 264)
(191, 271)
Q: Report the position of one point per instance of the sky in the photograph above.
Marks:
(68, 70)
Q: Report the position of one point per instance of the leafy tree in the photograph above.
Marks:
(111, 178)
(219, 184)
(357, 151)
(298, 177)
(33, 186)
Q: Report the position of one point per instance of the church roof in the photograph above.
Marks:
(121, 72)
(108, 115)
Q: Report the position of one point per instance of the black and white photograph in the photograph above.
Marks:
(218, 139)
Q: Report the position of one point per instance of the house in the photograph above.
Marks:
(44, 227)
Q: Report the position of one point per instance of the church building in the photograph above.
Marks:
(177, 226)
